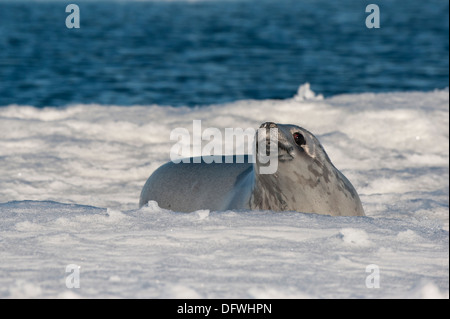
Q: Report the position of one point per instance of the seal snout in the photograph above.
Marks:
(278, 139)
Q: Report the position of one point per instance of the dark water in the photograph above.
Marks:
(196, 53)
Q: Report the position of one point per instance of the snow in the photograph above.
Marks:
(71, 179)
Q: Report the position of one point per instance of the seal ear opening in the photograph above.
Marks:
(299, 139)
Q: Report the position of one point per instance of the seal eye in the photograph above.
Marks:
(299, 139)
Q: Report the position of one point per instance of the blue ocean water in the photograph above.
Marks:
(205, 52)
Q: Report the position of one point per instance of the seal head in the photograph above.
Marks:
(305, 180)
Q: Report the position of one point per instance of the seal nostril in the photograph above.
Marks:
(268, 125)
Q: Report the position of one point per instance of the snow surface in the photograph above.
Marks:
(71, 179)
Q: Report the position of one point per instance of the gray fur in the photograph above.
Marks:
(306, 181)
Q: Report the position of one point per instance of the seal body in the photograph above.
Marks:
(305, 180)
(187, 187)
